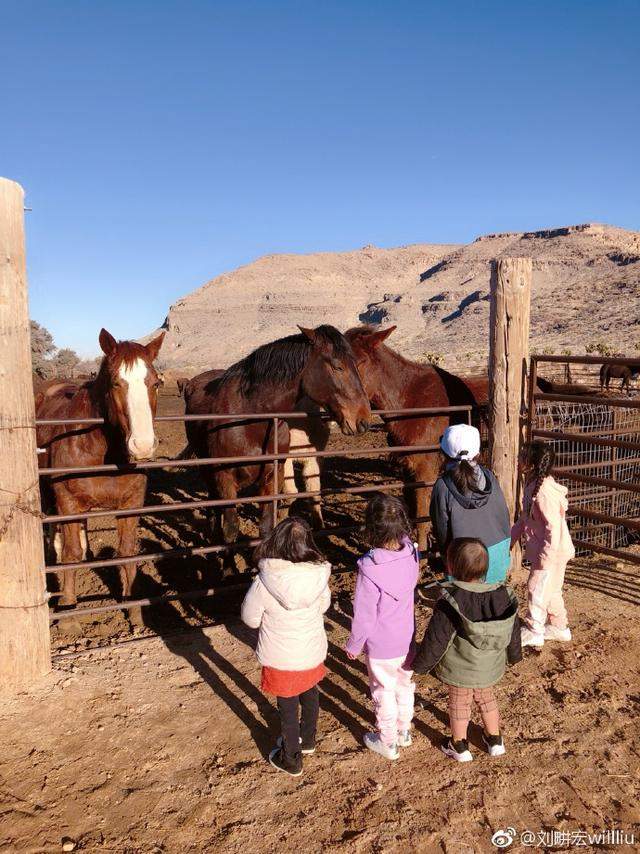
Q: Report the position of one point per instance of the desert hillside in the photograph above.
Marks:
(586, 289)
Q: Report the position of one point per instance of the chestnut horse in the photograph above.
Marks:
(125, 394)
(393, 382)
(318, 364)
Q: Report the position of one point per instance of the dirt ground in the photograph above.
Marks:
(159, 744)
(155, 740)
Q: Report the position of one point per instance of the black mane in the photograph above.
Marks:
(283, 360)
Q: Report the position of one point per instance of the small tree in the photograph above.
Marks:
(42, 347)
(65, 361)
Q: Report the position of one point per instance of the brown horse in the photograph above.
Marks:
(393, 382)
(624, 372)
(318, 364)
(125, 394)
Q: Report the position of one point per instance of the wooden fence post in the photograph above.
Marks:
(508, 364)
(25, 646)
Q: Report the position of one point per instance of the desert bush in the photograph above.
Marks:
(600, 347)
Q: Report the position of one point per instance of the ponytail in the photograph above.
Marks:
(464, 477)
(541, 458)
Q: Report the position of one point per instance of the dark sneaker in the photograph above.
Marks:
(494, 744)
(279, 761)
(458, 750)
(306, 749)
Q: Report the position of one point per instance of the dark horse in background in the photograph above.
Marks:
(125, 394)
(393, 382)
(318, 364)
(624, 372)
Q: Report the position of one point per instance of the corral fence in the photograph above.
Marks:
(274, 499)
(25, 638)
(596, 437)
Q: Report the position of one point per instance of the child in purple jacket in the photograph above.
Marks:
(383, 622)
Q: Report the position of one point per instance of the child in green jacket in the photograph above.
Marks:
(473, 632)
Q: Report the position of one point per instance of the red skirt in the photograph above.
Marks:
(290, 683)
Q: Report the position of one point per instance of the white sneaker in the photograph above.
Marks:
(529, 638)
(557, 634)
(458, 750)
(373, 742)
(404, 738)
(494, 744)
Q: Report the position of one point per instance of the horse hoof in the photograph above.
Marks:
(134, 616)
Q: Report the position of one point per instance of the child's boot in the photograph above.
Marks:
(373, 741)
(530, 638)
(555, 633)
(282, 762)
(404, 738)
(458, 750)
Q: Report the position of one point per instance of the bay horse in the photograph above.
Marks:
(317, 363)
(624, 372)
(306, 435)
(393, 382)
(125, 394)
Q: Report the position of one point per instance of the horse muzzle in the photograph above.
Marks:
(141, 451)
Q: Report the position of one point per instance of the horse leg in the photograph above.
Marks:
(68, 541)
(227, 489)
(127, 527)
(288, 484)
(311, 475)
(268, 518)
(423, 468)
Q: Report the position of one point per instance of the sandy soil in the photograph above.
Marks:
(159, 745)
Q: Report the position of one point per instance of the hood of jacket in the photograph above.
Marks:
(479, 497)
(395, 573)
(294, 585)
(486, 634)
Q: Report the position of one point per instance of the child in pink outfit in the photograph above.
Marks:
(383, 621)
(548, 547)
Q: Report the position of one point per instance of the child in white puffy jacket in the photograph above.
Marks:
(286, 602)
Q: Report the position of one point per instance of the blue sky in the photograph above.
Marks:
(161, 143)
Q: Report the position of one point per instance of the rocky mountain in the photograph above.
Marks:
(586, 289)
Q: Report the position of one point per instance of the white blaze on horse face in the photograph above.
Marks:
(142, 440)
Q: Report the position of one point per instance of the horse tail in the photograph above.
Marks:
(604, 370)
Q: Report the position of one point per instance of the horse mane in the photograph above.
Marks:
(281, 361)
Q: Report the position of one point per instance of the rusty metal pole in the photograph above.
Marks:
(275, 473)
(25, 646)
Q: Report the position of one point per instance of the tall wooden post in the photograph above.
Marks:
(25, 649)
(508, 363)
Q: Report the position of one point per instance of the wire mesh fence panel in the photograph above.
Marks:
(610, 452)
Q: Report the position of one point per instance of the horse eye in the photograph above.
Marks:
(337, 367)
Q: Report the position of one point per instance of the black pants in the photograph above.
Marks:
(292, 729)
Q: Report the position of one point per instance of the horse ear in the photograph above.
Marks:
(153, 347)
(308, 333)
(108, 343)
(376, 338)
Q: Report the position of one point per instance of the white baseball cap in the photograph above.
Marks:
(461, 442)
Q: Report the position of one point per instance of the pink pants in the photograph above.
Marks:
(544, 601)
(392, 693)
